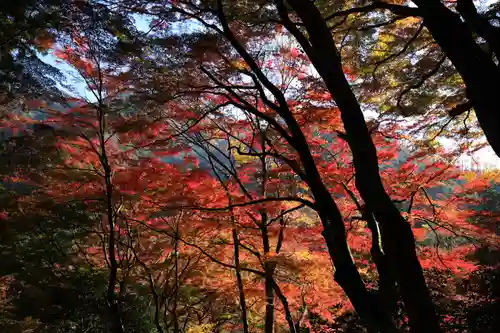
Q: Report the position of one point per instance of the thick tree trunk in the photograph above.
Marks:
(479, 72)
(388, 294)
(374, 317)
(397, 236)
(480, 25)
(366, 304)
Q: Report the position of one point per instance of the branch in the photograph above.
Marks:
(291, 163)
(286, 307)
(199, 248)
(244, 204)
(479, 24)
(399, 10)
(442, 129)
(244, 105)
(292, 27)
(397, 54)
(282, 215)
(248, 58)
(460, 108)
(422, 80)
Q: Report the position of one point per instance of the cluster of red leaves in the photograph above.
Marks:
(158, 187)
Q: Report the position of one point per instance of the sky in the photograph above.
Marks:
(485, 158)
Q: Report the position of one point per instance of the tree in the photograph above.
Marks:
(443, 24)
(455, 26)
(378, 201)
(213, 167)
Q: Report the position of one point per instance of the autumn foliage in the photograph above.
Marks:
(184, 187)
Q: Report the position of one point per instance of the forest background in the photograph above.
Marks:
(249, 166)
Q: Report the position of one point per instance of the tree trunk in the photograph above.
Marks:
(375, 318)
(175, 317)
(346, 273)
(268, 276)
(397, 236)
(239, 280)
(269, 293)
(388, 294)
(480, 74)
(111, 297)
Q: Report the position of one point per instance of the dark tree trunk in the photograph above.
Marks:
(375, 318)
(175, 317)
(346, 273)
(366, 304)
(115, 321)
(268, 272)
(388, 294)
(269, 293)
(397, 236)
(239, 281)
(479, 72)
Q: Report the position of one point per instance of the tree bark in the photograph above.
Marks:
(388, 294)
(375, 318)
(397, 236)
(239, 280)
(480, 25)
(175, 317)
(268, 275)
(478, 70)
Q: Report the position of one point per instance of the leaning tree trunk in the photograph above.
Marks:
(374, 317)
(334, 233)
(397, 236)
(366, 304)
(480, 74)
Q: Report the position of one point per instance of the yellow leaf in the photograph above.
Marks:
(203, 328)
(239, 64)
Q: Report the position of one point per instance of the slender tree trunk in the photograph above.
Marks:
(175, 318)
(239, 281)
(268, 266)
(114, 310)
(113, 306)
(397, 236)
(269, 292)
(480, 74)
(268, 277)
(294, 327)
